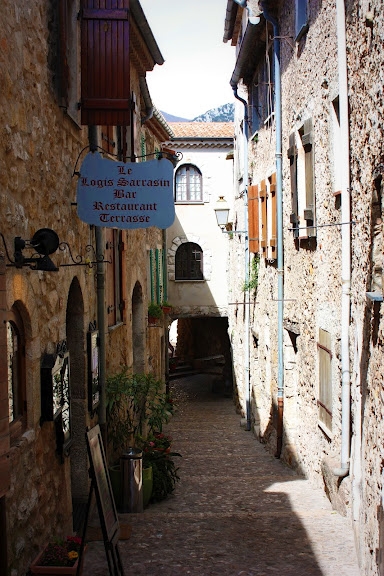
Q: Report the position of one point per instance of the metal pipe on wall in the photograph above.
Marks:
(100, 291)
(247, 382)
(345, 242)
(280, 243)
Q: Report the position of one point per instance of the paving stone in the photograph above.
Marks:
(237, 511)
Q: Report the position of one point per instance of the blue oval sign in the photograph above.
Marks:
(125, 194)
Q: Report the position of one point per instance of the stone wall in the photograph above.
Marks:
(312, 268)
(40, 148)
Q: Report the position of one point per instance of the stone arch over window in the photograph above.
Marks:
(188, 184)
(191, 240)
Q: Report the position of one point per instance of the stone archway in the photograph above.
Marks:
(78, 395)
(138, 332)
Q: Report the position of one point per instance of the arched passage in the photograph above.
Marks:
(78, 394)
(138, 333)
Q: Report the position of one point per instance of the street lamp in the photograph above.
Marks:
(222, 213)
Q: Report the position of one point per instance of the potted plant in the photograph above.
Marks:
(165, 472)
(166, 307)
(60, 557)
(137, 406)
(155, 312)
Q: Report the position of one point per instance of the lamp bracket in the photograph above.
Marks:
(89, 260)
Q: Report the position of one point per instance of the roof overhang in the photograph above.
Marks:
(146, 32)
(252, 45)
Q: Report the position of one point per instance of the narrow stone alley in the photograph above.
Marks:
(237, 511)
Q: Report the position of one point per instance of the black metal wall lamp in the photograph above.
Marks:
(44, 243)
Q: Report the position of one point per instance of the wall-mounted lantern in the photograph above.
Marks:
(222, 212)
(44, 243)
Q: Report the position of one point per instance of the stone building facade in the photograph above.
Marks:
(314, 390)
(48, 317)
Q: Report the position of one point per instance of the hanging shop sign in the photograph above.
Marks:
(125, 194)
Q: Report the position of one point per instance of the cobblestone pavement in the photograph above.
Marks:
(237, 511)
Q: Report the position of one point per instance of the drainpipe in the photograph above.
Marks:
(246, 264)
(345, 242)
(280, 254)
(100, 291)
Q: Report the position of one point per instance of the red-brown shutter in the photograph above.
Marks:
(253, 218)
(263, 230)
(272, 193)
(105, 67)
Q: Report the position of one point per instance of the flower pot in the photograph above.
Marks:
(152, 320)
(147, 485)
(40, 570)
(167, 309)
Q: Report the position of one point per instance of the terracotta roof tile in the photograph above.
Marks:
(202, 129)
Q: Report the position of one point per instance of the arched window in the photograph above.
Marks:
(189, 262)
(16, 373)
(188, 184)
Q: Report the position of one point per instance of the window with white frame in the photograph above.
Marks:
(301, 156)
(188, 184)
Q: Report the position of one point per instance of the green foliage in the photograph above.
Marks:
(155, 310)
(165, 473)
(253, 281)
(136, 405)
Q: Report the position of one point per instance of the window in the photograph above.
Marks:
(105, 63)
(189, 262)
(301, 19)
(16, 374)
(189, 184)
(324, 401)
(301, 156)
(115, 303)
(262, 215)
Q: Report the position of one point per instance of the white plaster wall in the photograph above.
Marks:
(197, 223)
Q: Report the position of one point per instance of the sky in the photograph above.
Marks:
(198, 64)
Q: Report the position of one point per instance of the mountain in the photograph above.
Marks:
(171, 118)
(224, 113)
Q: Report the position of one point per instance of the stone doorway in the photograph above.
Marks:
(203, 346)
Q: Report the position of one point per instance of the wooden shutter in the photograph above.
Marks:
(108, 141)
(263, 208)
(307, 140)
(253, 219)
(273, 216)
(292, 155)
(105, 64)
